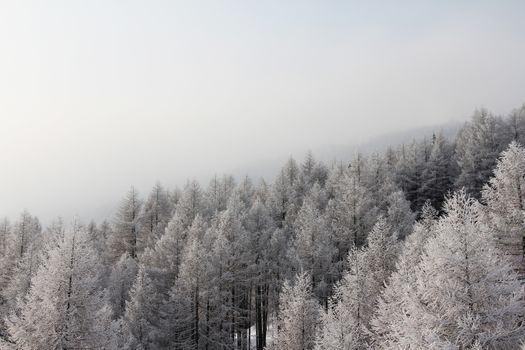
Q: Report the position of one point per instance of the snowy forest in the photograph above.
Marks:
(417, 247)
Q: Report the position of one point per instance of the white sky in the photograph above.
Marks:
(98, 95)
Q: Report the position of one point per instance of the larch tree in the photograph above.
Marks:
(218, 192)
(477, 149)
(191, 203)
(351, 213)
(23, 260)
(346, 324)
(467, 294)
(313, 248)
(124, 237)
(390, 321)
(64, 308)
(230, 259)
(5, 236)
(156, 212)
(411, 162)
(121, 278)
(343, 323)
(185, 312)
(399, 215)
(516, 123)
(283, 195)
(298, 316)
(505, 199)
(260, 227)
(437, 176)
(141, 315)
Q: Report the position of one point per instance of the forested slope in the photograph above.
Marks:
(418, 247)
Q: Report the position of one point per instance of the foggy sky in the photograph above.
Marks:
(98, 95)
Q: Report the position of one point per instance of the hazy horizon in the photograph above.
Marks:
(96, 97)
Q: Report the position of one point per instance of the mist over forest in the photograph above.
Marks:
(419, 245)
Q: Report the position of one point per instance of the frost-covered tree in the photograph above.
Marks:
(298, 316)
(156, 212)
(124, 237)
(466, 294)
(311, 171)
(141, 316)
(64, 309)
(437, 175)
(120, 281)
(157, 272)
(283, 196)
(351, 213)
(505, 199)
(264, 267)
(167, 252)
(382, 253)
(191, 203)
(410, 165)
(185, 314)
(5, 236)
(343, 324)
(229, 261)
(218, 193)
(313, 248)
(399, 215)
(23, 259)
(346, 323)
(478, 146)
(516, 123)
(391, 320)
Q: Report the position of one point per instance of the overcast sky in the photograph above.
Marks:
(98, 95)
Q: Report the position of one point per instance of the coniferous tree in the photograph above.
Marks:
(351, 213)
(390, 321)
(298, 316)
(313, 248)
(64, 308)
(156, 212)
(124, 237)
(437, 177)
(466, 294)
(346, 324)
(477, 149)
(505, 199)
